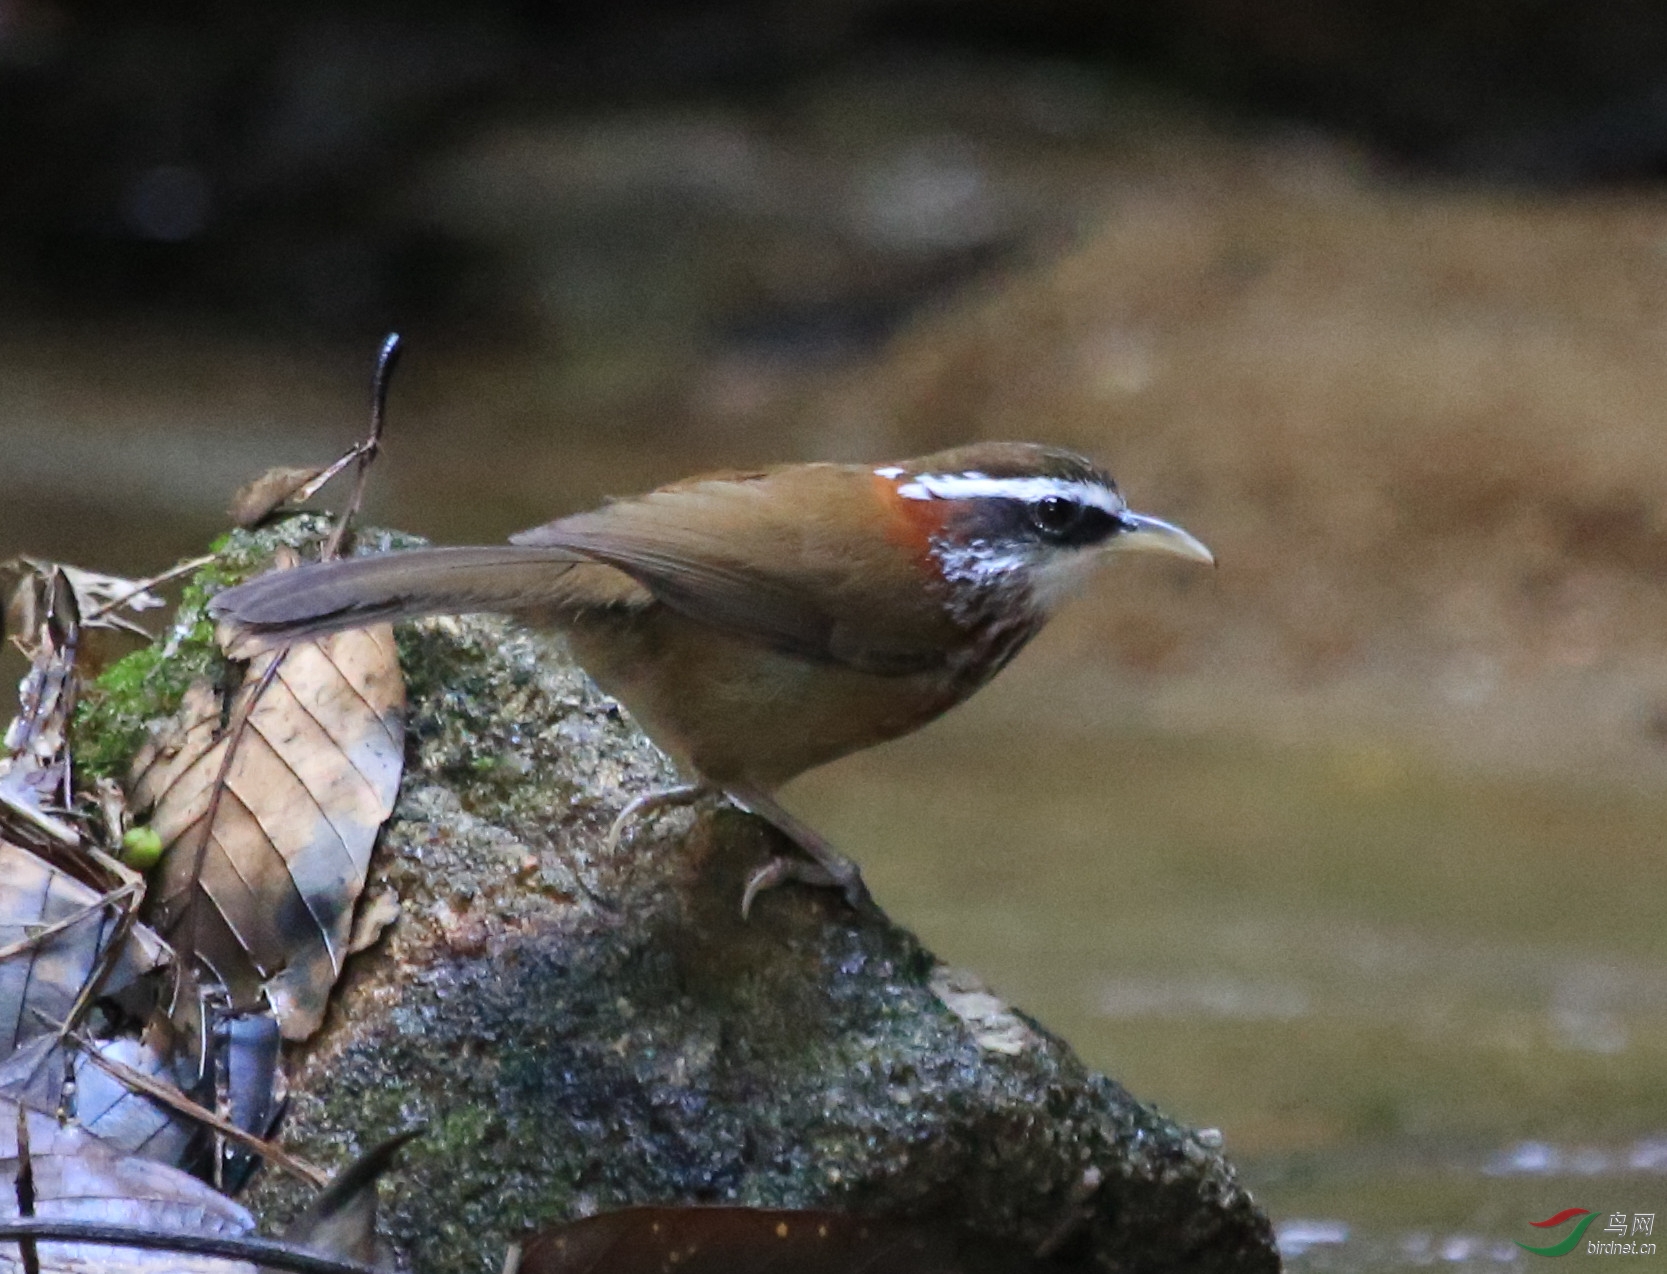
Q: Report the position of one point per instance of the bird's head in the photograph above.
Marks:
(1022, 522)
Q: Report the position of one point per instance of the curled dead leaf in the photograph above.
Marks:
(373, 920)
(98, 599)
(341, 1220)
(250, 1051)
(34, 771)
(261, 497)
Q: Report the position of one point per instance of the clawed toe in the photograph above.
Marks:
(646, 804)
(778, 871)
(826, 867)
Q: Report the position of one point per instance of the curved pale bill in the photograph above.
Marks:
(1149, 534)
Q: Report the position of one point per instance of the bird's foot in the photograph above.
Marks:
(647, 804)
(778, 871)
(829, 868)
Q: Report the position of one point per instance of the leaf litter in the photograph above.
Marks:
(77, 1178)
(265, 800)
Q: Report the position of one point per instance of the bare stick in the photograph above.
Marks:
(126, 918)
(52, 828)
(167, 576)
(26, 1191)
(46, 933)
(171, 1097)
(386, 360)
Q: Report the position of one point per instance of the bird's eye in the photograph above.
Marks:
(1054, 516)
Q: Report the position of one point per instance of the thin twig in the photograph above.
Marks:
(307, 490)
(271, 1253)
(114, 946)
(50, 827)
(170, 1096)
(46, 933)
(26, 1191)
(386, 360)
(167, 576)
(108, 955)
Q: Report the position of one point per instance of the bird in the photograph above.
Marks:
(759, 623)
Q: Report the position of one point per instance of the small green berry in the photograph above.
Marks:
(141, 848)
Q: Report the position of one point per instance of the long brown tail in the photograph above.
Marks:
(326, 597)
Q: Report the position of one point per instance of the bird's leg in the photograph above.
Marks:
(830, 868)
(647, 803)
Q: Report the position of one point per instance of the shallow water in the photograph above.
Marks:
(1425, 1008)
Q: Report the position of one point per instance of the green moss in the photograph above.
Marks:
(117, 709)
(463, 1131)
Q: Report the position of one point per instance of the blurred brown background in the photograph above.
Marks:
(1354, 848)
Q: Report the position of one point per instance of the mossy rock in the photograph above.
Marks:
(581, 1029)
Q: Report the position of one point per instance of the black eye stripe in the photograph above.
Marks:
(1095, 525)
(1060, 520)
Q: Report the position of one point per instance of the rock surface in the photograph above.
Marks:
(582, 1030)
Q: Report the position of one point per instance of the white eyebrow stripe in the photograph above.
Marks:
(973, 486)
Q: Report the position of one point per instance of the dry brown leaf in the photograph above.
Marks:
(265, 895)
(261, 497)
(53, 930)
(98, 597)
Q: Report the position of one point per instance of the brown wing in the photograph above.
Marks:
(795, 558)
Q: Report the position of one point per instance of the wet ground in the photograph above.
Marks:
(1353, 850)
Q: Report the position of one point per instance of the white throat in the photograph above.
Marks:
(980, 570)
(1059, 576)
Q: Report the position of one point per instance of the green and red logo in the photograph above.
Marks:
(1569, 1242)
